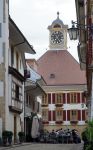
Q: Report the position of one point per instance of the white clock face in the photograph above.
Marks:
(57, 37)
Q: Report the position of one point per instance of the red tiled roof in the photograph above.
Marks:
(60, 68)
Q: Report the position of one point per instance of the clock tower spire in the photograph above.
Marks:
(57, 35)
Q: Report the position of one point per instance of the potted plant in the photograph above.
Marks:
(5, 137)
(21, 136)
(10, 134)
(87, 136)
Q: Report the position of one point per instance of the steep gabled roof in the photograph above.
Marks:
(60, 68)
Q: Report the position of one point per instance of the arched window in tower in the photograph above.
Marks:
(57, 26)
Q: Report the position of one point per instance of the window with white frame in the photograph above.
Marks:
(73, 114)
(59, 98)
(44, 100)
(28, 100)
(45, 114)
(73, 97)
(59, 115)
(16, 91)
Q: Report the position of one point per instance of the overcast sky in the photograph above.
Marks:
(34, 16)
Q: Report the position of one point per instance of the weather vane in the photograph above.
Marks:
(58, 14)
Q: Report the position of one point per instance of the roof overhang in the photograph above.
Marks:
(18, 39)
(73, 87)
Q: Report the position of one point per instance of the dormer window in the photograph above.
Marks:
(57, 26)
(52, 75)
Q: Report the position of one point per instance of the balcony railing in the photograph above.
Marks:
(59, 104)
(16, 106)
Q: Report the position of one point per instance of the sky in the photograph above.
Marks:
(34, 16)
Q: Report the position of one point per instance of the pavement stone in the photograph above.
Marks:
(14, 145)
(40, 146)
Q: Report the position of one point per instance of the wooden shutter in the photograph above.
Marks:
(54, 116)
(83, 98)
(49, 115)
(64, 99)
(68, 98)
(79, 115)
(53, 98)
(68, 115)
(64, 115)
(78, 97)
(83, 115)
(49, 98)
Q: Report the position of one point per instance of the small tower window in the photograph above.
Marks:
(57, 26)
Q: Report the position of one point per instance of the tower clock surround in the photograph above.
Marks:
(57, 35)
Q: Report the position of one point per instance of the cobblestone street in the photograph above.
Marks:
(45, 147)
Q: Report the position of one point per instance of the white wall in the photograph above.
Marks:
(16, 50)
(1, 89)
(0, 127)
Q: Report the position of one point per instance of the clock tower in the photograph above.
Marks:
(57, 35)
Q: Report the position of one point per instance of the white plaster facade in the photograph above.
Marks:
(4, 47)
(13, 46)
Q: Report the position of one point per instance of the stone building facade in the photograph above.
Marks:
(65, 103)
